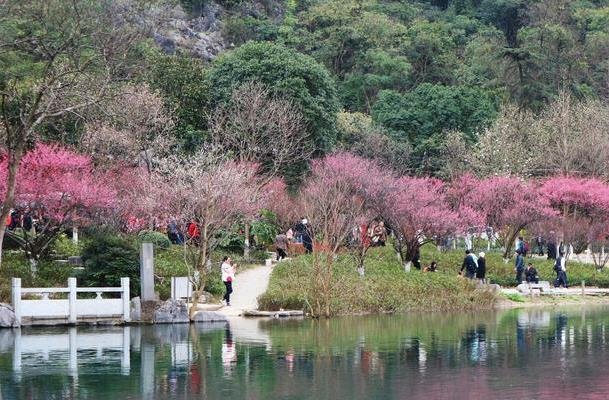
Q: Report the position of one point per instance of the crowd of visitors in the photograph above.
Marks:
(24, 218)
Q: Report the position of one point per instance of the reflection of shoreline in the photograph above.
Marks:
(497, 355)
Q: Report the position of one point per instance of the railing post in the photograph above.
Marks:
(16, 291)
(72, 300)
(126, 299)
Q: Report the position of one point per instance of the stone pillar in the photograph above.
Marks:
(75, 234)
(16, 291)
(72, 300)
(147, 272)
(126, 299)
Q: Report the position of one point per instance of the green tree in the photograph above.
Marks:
(182, 81)
(424, 115)
(286, 73)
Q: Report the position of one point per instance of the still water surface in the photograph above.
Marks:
(515, 354)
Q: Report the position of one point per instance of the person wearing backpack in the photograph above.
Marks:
(469, 265)
(560, 267)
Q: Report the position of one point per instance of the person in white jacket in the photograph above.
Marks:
(228, 276)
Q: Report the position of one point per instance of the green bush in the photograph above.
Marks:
(160, 240)
(108, 258)
(64, 246)
(14, 265)
(265, 228)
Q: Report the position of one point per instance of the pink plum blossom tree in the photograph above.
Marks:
(211, 193)
(418, 211)
(582, 210)
(337, 198)
(507, 204)
(59, 188)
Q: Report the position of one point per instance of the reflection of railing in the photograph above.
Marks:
(72, 308)
(31, 351)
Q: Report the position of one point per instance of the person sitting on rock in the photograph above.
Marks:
(531, 274)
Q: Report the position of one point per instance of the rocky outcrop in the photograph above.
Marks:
(7, 316)
(171, 312)
(209, 316)
(200, 35)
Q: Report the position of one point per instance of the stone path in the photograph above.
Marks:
(248, 285)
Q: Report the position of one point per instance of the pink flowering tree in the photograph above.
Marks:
(418, 211)
(58, 189)
(211, 193)
(507, 204)
(582, 211)
(336, 198)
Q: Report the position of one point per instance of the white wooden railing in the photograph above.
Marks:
(71, 308)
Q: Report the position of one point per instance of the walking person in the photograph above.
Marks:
(228, 276)
(519, 266)
(281, 245)
(561, 271)
(481, 270)
(469, 265)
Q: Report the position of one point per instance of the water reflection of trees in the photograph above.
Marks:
(498, 355)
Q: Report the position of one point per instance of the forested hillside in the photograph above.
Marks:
(429, 87)
(433, 75)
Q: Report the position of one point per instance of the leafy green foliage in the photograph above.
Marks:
(182, 81)
(65, 246)
(287, 73)
(160, 240)
(109, 258)
(265, 228)
(424, 115)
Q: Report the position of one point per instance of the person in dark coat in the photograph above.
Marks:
(481, 270)
(307, 240)
(299, 230)
(561, 271)
(519, 266)
(551, 246)
(469, 265)
(531, 274)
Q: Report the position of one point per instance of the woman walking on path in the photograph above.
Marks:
(228, 276)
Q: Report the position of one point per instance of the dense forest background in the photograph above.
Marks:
(434, 87)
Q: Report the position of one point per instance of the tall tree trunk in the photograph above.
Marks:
(14, 158)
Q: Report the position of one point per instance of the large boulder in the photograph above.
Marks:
(171, 312)
(209, 316)
(7, 316)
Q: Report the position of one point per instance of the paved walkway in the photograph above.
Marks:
(248, 285)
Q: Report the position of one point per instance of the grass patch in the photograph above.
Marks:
(385, 288)
(517, 297)
(503, 273)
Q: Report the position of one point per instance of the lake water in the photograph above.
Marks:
(515, 354)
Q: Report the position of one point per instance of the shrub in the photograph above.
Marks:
(160, 240)
(265, 228)
(64, 246)
(108, 258)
